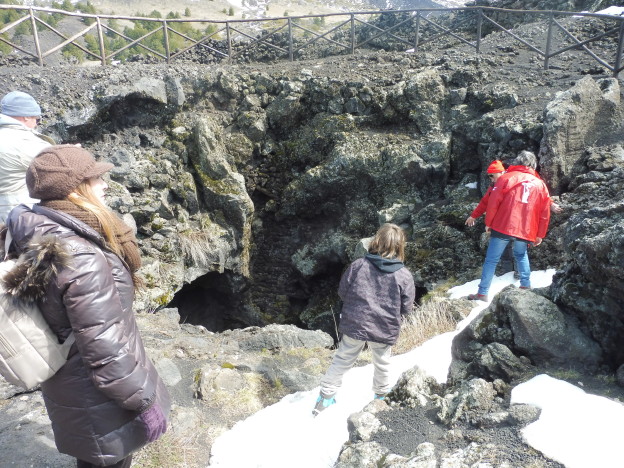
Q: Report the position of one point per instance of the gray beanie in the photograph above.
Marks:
(59, 170)
(19, 104)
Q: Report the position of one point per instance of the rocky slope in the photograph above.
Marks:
(251, 186)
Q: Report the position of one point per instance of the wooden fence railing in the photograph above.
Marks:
(167, 39)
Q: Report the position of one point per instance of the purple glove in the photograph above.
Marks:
(155, 422)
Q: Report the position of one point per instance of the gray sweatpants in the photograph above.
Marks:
(348, 351)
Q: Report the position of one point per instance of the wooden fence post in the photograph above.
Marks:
(549, 39)
(352, 34)
(229, 41)
(101, 40)
(417, 37)
(35, 36)
(620, 51)
(166, 39)
(290, 40)
(479, 27)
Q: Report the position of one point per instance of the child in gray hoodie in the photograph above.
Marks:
(376, 290)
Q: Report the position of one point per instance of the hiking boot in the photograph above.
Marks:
(525, 287)
(477, 297)
(323, 402)
(380, 396)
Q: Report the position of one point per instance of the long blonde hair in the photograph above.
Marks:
(84, 197)
(389, 242)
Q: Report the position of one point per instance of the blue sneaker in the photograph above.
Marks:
(323, 402)
(380, 396)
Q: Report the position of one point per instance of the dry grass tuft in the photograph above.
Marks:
(199, 247)
(170, 451)
(431, 318)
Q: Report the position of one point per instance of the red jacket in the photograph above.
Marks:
(519, 204)
(482, 206)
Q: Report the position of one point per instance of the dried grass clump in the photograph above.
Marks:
(424, 322)
(201, 248)
(170, 451)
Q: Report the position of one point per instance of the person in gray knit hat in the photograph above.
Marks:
(78, 262)
(19, 144)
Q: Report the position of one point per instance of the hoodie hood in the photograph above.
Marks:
(385, 265)
(6, 120)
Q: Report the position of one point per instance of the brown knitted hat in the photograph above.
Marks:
(58, 170)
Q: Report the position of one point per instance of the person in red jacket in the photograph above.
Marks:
(494, 171)
(518, 210)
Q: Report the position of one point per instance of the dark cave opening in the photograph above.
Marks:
(421, 292)
(209, 301)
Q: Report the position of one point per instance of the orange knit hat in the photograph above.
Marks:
(495, 167)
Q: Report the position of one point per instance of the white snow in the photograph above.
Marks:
(612, 10)
(577, 429)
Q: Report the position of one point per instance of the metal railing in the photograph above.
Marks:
(229, 40)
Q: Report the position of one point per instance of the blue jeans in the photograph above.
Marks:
(495, 250)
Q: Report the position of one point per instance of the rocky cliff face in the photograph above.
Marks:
(251, 186)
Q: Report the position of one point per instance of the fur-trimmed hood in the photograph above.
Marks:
(41, 262)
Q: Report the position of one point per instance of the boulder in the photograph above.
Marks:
(521, 327)
(473, 396)
(223, 188)
(280, 338)
(362, 455)
(591, 287)
(576, 118)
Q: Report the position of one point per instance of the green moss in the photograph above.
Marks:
(205, 223)
(277, 384)
(164, 299)
(228, 365)
(423, 255)
(219, 187)
(150, 280)
(158, 224)
(566, 374)
(486, 321)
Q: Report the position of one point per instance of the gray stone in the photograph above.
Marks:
(280, 337)
(414, 387)
(362, 426)
(523, 415)
(474, 396)
(543, 333)
(361, 455)
(573, 120)
(168, 371)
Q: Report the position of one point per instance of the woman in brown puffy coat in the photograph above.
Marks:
(79, 262)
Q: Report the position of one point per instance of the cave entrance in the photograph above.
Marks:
(421, 292)
(209, 301)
